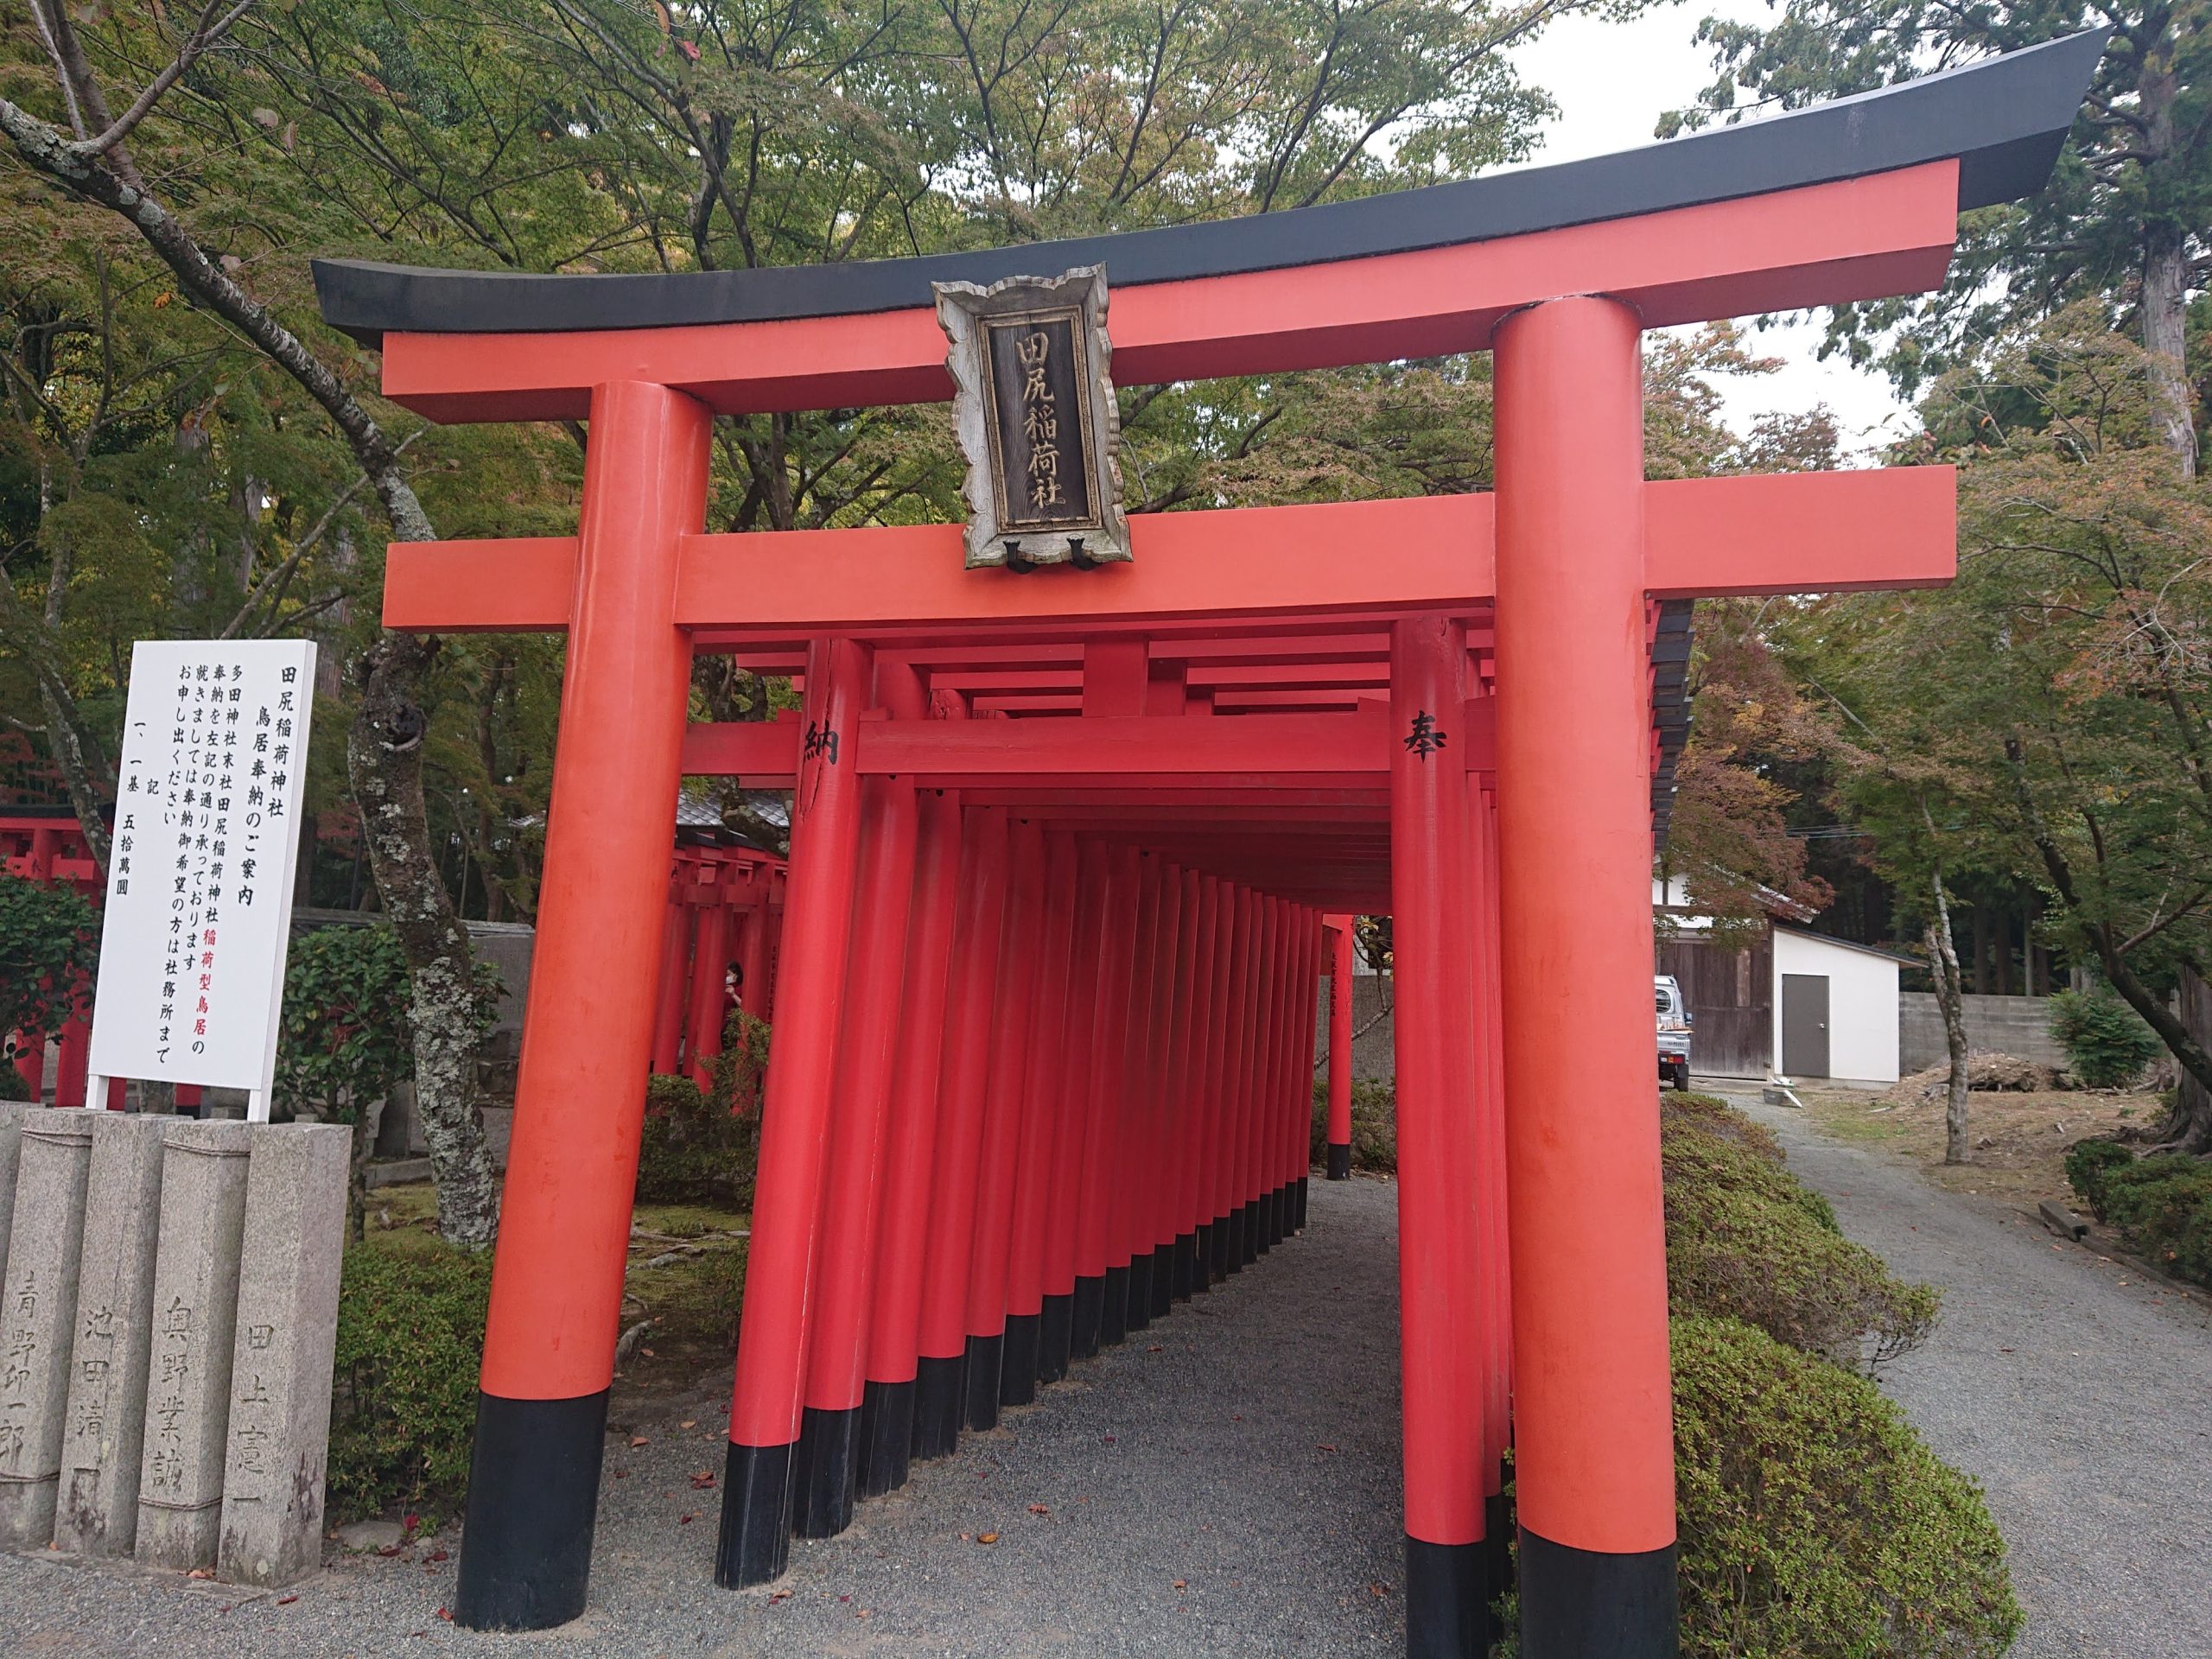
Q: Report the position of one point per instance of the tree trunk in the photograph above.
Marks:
(2166, 270)
(384, 760)
(1944, 962)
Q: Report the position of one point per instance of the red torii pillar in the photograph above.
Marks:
(1339, 1138)
(1594, 1469)
(556, 1274)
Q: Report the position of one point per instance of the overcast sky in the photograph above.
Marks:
(1612, 81)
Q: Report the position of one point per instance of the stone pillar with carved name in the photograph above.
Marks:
(282, 1354)
(98, 1510)
(38, 1305)
(188, 1370)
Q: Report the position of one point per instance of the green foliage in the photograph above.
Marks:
(2162, 1205)
(741, 1069)
(2088, 1163)
(1374, 1124)
(1814, 1524)
(410, 1340)
(347, 1036)
(1746, 1240)
(49, 945)
(2105, 1041)
(694, 1149)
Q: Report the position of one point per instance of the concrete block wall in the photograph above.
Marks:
(2018, 1025)
(1374, 1052)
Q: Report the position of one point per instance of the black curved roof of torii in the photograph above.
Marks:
(2004, 117)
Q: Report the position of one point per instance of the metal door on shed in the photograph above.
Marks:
(1805, 1025)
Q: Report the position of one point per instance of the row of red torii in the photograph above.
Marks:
(1064, 842)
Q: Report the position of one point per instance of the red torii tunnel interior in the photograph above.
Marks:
(1064, 844)
(47, 846)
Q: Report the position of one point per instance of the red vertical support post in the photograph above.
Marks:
(710, 958)
(1297, 1129)
(829, 1452)
(1005, 1103)
(1116, 1318)
(1594, 1466)
(564, 1231)
(1243, 1241)
(775, 1330)
(1151, 1266)
(1042, 1089)
(1102, 1127)
(752, 926)
(669, 987)
(70, 1065)
(1181, 1095)
(1259, 1199)
(1056, 1318)
(1447, 1591)
(940, 1396)
(1340, 988)
(1233, 934)
(1490, 1170)
(893, 1331)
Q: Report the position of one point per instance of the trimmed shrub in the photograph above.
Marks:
(2087, 1162)
(410, 1342)
(1374, 1125)
(695, 1151)
(1815, 1522)
(1746, 1240)
(2162, 1205)
(2105, 1041)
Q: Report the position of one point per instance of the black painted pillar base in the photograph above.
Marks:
(940, 1403)
(886, 1438)
(1137, 1314)
(1163, 1281)
(824, 1467)
(985, 1356)
(1219, 1255)
(1055, 1324)
(1447, 1603)
(1082, 1323)
(756, 1535)
(1017, 1368)
(533, 1490)
(1298, 1206)
(1272, 1211)
(1582, 1601)
(1183, 1275)
(1114, 1306)
(1340, 1162)
(1203, 1274)
(1251, 1236)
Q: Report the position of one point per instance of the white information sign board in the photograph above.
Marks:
(194, 936)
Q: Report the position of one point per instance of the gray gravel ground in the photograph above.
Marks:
(2077, 1392)
(1247, 1446)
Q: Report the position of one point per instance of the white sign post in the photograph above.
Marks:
(199, 911)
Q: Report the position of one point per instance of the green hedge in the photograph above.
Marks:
(694, 1149)
(1814, 1524)
(1746, 1240)
(2162, 1205)
(410, 1342)
(1374, 1124)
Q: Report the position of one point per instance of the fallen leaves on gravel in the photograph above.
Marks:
(1181, 1584)
(636, 1440)
(987, 1537)
(1038, 1509)
(704, 1479)
(1378, 1589)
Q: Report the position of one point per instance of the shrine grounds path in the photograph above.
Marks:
(2079, 1394)
(1246, 1446)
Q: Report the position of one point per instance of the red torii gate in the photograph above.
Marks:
(725, 909)
(47, 846)
(1062, 850)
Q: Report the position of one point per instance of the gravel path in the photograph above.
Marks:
(2079, 1394)
(1246, 1446)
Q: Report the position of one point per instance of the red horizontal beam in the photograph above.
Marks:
(1818, 245)
(1130, 752)
(1797, 532)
